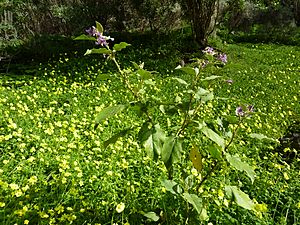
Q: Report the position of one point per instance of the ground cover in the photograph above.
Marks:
(55, 169)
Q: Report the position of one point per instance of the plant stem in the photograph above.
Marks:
(217, 163)
(125, 80)
(128, 86)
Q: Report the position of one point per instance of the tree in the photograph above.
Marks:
(201, 14)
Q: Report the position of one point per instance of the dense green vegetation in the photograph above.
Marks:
(55, 168)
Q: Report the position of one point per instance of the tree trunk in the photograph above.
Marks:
(201, 13)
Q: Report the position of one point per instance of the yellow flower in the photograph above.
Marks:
(32, 180)
(14, 186)
(120, 207)
(26, 221)
(18, 193)
(2, 204)
(286, 176)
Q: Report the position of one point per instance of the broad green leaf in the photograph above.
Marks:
(152, 139)
(208, 97)
(194, 200)
(120, 46)
(85, 37)
(201, 92)
(152, 216)
(99, 27)
(144, 74)
(196, 158)
(214, 152)
(181, 81)
(261, 137)
(210, 78)
(149, 147)
(169, 184)
(167, 149)
(188, 70)
(108, 112)
(145, 131)
(98, 51)
(159, 137)
(145, 136)
(213, 136)
(236, 162)
(115, 137)
(176, 154)
(204, 216)
(241, 198)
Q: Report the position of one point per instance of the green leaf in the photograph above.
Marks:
(240, 197)
(262, 137)
(201, 92)
(236, 162)
(194, 200)
(196, 158)
(208, 97)
(152, 216)
(167, 149)
(152, 139)
(115, 137)
(144, 74)
(214, 151)
(210, 78)
(204, 216)
(176, 154)
(188, 70)
(213, 136)
(103, 76)
(181, 81)
(145, 132)
(120, 46)
(159, 137)
(108, 112)
(169, 184)
(149, 147)
(85, 37)
(99, 27)
(98, 51)
(232, 119)
(136, 66)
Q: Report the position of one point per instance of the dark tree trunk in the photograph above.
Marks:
(201, 13)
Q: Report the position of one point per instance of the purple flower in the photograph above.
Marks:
(239, 111)
(250, 108)
(229, 81)
(204, 63)
(222, 58)
(92, 31)
(101, 40)
(209, 50)
(244, 110)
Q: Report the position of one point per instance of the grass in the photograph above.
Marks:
(55, 170)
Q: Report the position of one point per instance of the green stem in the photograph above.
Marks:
(217, 163)
(186, 117)
(125, 80)
(128, 86)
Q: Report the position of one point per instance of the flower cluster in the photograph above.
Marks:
(244, 110)
(219, 56)
(100, 38)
